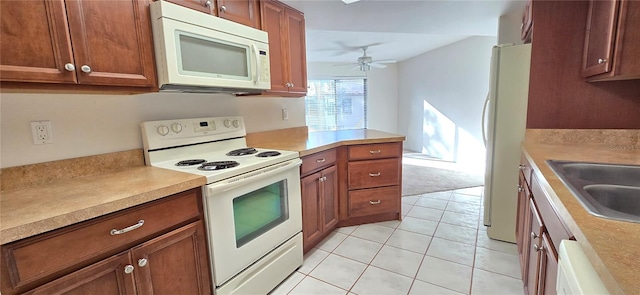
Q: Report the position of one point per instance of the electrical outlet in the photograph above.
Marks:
(285, 114)
(41, 132)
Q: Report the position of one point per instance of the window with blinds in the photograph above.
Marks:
(336, 104)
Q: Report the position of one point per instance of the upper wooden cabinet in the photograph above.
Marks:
(77, 42)
(287, 45)
(612, 41)
(246, 12)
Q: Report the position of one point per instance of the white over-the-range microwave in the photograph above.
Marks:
(197, 52)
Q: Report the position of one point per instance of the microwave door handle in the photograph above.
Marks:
(258, 69)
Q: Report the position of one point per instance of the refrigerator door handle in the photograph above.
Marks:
(484, 114)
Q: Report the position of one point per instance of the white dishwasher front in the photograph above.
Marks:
(576, 275)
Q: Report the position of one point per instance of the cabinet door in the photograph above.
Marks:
(311, 217)
(205, 6)
(104, 277)
(523, 201)
(548, 267)
(297, 52)
(111, 42)
(532, 249)
(273, 20)
(329, 193)
(35, 42)
(600, 35)
(245, 12)
(174, 263)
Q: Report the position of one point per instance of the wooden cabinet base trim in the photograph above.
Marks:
(369, 219)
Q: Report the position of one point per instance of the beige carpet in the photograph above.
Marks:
(419, 179)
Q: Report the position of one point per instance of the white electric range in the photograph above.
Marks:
(252, 198)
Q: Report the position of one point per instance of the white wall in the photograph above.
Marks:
(441, 95)
(90, 124)
(382, 92)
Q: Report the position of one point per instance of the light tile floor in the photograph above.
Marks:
(440, 247)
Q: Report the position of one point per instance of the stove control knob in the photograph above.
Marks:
(236, 123)
(162, 130)
(176, 127)
(227, 123)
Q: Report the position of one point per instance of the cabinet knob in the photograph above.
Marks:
(222, 8)
(69, 67)
(538, 248)
(85, 68)
(207, 4)
(601, 60)
(534, 235)
(520, 189)
(291, 85)
(522, 167)
(142, 262)
(128, 269)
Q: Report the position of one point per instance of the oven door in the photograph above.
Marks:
(250, 215)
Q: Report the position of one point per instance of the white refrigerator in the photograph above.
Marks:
(504, 116)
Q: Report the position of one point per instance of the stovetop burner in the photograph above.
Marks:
(242, 152)
(268, 154)
(219, 165)
(191, 162)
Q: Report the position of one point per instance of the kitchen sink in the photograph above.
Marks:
(605, 190)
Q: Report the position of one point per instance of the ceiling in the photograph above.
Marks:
(395, 29)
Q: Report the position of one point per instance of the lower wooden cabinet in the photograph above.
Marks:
(319, 206)
(174, 263)
(539, 232)
(154, 248)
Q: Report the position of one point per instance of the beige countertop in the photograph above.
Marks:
(307, 143)
(613, 247)
(29, 211)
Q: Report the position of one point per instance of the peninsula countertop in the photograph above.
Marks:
(306, 143)
(611, 246)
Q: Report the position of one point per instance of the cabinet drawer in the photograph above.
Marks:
(366, 202)
(556, 228)
(317, 161)
(375, 151)
(71, 247)
(365, 174)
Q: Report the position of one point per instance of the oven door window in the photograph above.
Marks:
(211, 57)
(257, 212)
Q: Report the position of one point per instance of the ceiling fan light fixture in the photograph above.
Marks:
(365, 67)
(349, 1)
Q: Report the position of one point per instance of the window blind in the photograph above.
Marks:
(336, 104)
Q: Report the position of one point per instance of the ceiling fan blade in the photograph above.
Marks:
(377, 65)
(349, 1)
(385, 61)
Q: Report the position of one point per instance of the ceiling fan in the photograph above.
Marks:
(365, 62)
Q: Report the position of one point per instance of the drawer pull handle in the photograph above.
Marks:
(374, 174)
(374, 202)
(374, 152)
(127, 229)
(321, 160)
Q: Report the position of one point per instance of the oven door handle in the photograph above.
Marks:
(234, 182)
